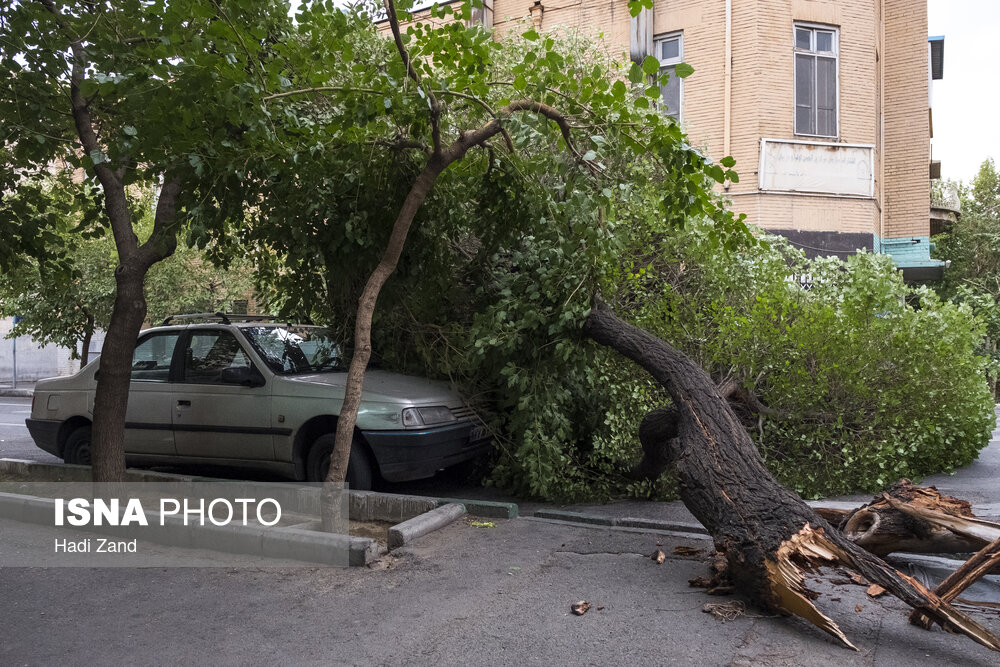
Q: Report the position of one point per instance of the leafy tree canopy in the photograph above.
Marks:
(580, 136)
(972, 245)
(66, 307)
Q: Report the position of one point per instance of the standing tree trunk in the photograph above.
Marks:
(766, 533)
(88, 335)
(441, 156)
(134, 260)
(111, 399)
(348, 417)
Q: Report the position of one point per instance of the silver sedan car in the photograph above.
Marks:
(249, 392)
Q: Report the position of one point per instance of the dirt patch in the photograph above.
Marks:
(376, 530)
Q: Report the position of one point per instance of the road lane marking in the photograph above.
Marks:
(22, 425)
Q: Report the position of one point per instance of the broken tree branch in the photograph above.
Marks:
(914, 519)
(411, 71)
(969, 573)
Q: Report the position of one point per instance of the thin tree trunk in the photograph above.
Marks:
(348, 417)
(129, 310)
(113, 382)
(88, 335)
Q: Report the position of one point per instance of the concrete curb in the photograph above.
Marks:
(621, 522)
(405, 532)
(414, 516)
(576, 517)
(285, 543)
(485, 508)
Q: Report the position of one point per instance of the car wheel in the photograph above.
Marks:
(77, 448)
(360, 473)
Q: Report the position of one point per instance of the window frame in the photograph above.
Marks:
(171, 370)
(835, 54)
(185, 343)
(671, 62)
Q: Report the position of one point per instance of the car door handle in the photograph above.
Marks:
(184, 403)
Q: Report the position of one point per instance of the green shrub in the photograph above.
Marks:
(865, 380)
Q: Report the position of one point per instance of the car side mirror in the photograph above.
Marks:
(248, 376)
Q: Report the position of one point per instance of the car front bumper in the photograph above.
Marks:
(416, 454)
(45, 433)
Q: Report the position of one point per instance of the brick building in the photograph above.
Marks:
(825, 104)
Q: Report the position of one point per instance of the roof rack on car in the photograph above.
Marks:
(225, 318)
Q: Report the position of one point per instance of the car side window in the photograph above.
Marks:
(151, 360)
(211, 352)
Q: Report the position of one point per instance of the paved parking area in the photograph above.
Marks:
(462, 595)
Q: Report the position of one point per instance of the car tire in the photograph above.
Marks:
(360, 472)
(77, 450)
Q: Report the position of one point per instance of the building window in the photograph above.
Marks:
(670, 52)
(815, 81)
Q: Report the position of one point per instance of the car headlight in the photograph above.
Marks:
(437, 414)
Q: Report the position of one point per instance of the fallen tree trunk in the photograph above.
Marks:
(915, 519)
(767, 534)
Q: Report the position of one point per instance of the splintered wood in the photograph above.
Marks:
(913, 519)
(959, 580)
(788, 584)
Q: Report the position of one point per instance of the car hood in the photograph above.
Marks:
(384, 386)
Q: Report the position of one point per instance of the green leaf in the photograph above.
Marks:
(683, 70)
(619, 90)
(520, 83)
(635, 73)
(728, 162)
(650, 65)
(589, 156)
(531, 35)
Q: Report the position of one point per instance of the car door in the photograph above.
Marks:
(213, 416)
(148, 420)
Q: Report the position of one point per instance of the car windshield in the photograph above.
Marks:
(291, 349)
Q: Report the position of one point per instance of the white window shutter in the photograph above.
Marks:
(641, 36)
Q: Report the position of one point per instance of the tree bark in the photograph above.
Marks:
(129, 310)
(88, 335)
(111, 399)
(767, 534)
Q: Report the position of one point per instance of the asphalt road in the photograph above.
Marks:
(15, 441)
(464, 595)
(467, 594)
